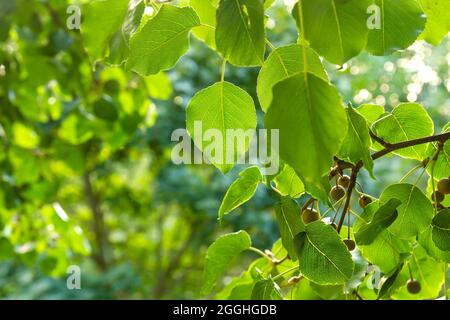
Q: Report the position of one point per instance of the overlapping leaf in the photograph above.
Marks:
(240, 33)
(301, 109)
(162, 40)
(335, 29)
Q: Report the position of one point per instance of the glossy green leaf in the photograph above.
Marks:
(389, 282)
(266, 289)
(407, 121)
(241, 190)
(414, 214)
(438, 20)
(240, 33)
(382, 219)
(220, 254)
(309, 136)
(400, 24)
(288, 183)
(290, 223)
(101, 20)
(441, 230)
(162, 40)
(357, 142)
(220, 107)
(282, 63)
(441, 167)
(335, 29)
(323, 257)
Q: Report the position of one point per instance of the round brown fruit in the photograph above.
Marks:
(437, 196)
(337, 193)
(438, 206)
(350, 244)
(310, 215)
(364, 201)
(444, 186)
(344, 181)
(413, 286)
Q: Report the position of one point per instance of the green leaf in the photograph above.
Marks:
(429, 272)
(441, 230)
(118, 45)
(288, 183)
(301, 109)
(241, 190)
(382, 219)
(426, 241)
(266, 289)
(323, 257)
(240, 33)
(401, 22)
(442, 165)
(357, 142)
(101, 20)
(282, 63)
(222, 106)
(220, 255)
(162, 40)
(389, 282)
(371, 112)
(386, 250)
(438, 20)
(206, 11)
(414, 214)
(335, 29)
(407, 121)
(290, 223)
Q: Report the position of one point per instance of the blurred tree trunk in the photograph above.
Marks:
(98, 223)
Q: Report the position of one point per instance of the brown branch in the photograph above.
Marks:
(340, 164)
(308, 203)
(351, 186)
(379, 139)
(411, 143)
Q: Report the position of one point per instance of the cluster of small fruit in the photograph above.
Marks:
(438, 196)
